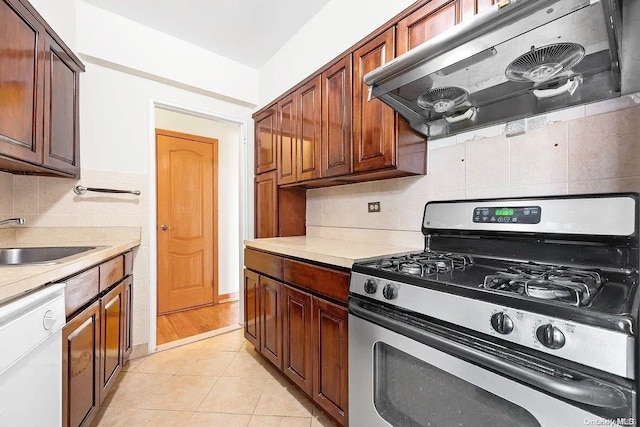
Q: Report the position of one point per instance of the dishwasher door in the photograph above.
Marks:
(31, 359)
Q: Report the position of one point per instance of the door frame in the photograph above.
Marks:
(245, 149)
(214, 189)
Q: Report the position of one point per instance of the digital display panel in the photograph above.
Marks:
(512, 215)
(504, 212)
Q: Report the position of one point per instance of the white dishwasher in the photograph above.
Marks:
(31, 359)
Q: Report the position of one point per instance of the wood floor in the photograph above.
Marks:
(183, 324)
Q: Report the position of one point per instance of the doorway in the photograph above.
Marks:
(194, 297)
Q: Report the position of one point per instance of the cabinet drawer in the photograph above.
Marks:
(80, 290)
(111, 272)
(264, 263)
(333, 284)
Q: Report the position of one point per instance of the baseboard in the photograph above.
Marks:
(139, 350)
(224, 298)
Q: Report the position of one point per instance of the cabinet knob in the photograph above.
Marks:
(164, 227)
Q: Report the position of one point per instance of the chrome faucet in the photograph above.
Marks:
(19, 221)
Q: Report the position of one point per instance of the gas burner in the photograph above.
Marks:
(563, 284)
(425, 263)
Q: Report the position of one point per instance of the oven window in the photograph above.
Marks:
(412, 393)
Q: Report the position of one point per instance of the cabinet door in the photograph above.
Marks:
(266, 205)
(287, 140)
(427, 22)
(434, 18)
(21, 83)
(297, 338)
(251, 308)
(111, 308)
(309, 120)
(373, 138)
(265, 140)
(80, 367)
(61, 143)
(271, 320)
(337, 94)
(469, 8)
(127, 317)
(330, 358)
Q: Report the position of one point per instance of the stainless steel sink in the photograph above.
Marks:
(42, 255)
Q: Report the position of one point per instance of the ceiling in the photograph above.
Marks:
(247, 31)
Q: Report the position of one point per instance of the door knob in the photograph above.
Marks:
(164, 227)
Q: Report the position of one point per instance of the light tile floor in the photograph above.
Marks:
(220, 381)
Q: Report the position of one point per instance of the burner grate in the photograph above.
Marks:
(425, 263)
(563, 284)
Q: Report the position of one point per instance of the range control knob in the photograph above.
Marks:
(371, 286)
(390, 291)
(502, 323)
(550, 336)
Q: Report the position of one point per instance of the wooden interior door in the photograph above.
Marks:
(187, 220)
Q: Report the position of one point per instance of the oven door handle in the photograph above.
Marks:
(587, 391)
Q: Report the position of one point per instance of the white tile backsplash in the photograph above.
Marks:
(574, 152)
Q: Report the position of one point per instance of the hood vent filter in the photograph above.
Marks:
(544, 63)
(442, 99)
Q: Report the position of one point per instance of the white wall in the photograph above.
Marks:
(229, 153)
(61, 16)
(338, 26)
(129, 45)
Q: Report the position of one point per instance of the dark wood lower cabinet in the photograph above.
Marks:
(330, 358)
(127, 314)
(111, 311)
(80, 367)
(96, 341)
(251, 308)
(297, 349)
(271, 320)
(301, 331)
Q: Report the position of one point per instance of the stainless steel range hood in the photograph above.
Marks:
(518, 59)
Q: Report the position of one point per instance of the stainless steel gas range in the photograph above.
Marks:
(519, 312)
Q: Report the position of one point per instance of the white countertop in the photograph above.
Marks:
(341, 253)
(15, 280)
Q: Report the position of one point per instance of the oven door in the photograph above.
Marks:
(412, 374)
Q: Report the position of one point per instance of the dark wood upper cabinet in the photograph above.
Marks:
(309, 120)
(38, 95)
(469, 8)
(265, 140)
(21, 83)
(434, 18)
(266, 205)
(61, 147)
(287, 139)
(336, 141)
(373, 127)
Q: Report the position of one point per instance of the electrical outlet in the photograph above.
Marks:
(374, 207)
